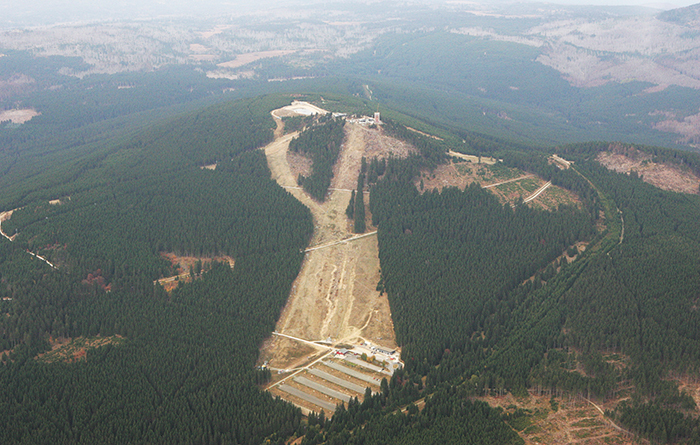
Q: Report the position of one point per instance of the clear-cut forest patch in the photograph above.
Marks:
(19, 116)
(187, 268)
(665, 175)
(508, 184)
(75, 349)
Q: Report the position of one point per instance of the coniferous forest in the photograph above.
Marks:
(321, 143)
(185, 373)
(482, 301)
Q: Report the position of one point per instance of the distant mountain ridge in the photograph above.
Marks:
(687, 16)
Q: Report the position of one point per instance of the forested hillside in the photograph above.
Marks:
(185, 372)
(596, 300)
(456, 265)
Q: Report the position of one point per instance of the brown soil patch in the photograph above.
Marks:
(182, 266)
(218, 29)
(510, 192)
(508, 184)
(288, 355)
(299, 164)
(97, 278)
(473, 159)
(551, 198)
(7, 352)
(564, 258)
(424, 134)
(575, 421)
(691, 385)
(72, 350)
(335, 292)
(18, 116)
(183, 263)
(665, 176)
(244, 59)
(462, 174)
(360, 142)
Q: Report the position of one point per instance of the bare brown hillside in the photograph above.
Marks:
(666, 176)
(334, 297)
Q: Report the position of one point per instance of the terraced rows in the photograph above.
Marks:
(329, 383)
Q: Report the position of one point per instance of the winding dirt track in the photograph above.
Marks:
(335, 292)
(4, 216)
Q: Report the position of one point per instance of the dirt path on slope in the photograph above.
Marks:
(4, 216)
(335, 293)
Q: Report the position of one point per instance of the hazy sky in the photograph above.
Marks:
(661, 4)
(23, 13)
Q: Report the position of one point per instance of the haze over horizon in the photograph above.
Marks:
(16, 14)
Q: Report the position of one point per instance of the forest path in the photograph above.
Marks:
(335, 293)
(538, 192)
(4, 216)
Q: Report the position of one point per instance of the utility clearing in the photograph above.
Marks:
(334, 313)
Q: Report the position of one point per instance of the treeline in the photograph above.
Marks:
(433, 151)
(590, 150)
(659, 424)
(448, 416)
(322, 143)
(185, 372)
(296, 123)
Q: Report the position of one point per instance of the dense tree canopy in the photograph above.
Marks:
(186, 371)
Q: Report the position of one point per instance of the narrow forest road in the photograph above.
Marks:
(538, 192)
(334, 296)
(506, 182)
(609, 421)
(346, 240)
(4, 216)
